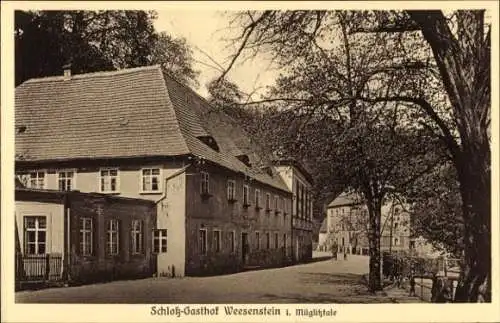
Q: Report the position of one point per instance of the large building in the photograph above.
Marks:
(138, 133)
(347, 224)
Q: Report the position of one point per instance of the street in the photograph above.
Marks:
(326, 281)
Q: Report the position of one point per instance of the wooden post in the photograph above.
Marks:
(47, 267)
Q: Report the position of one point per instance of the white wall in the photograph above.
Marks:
(54, 214)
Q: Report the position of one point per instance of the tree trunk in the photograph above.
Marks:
(474, 176)
(375, 279)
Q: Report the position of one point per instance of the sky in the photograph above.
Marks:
(204, 31)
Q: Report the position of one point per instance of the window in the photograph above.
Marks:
(232, 238)
(159, 240)
(396, 241)
(86, 244)
(136, 236)
(276, 206)
(268, 201)
(395, 225)
(35, 234)
(109, 180)
(276, 241)
(216, 240)
(257, 198)
(151, 180)
(268, 240)
(246, 195)
(113, 237)
(283, 205)
(203, 241)
(36, 180)
(257, 240)
(230, 190)
(284, 244)
(66, 180)
(204, 183)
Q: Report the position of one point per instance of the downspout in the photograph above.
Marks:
(177, 173)
(164, 196)
(67, 260)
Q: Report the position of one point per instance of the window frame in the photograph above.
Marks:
(39, 171)
(246, 195)
(151, 176)
(204, 178)
(268, 240)
(110, 232)
(162, 236)
(268, 202)
(231, 190)
(83, 240)
(137, 236)
(117, 182)
(257, 199)
(232, 237)
(203, 247)
(217, 240)
(37, 229)
(276, 240)
(72, 179)
(257, 239)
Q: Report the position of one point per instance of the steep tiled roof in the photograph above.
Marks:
(129, 113)
(345, 199)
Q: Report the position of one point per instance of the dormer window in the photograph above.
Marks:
(244, 159)
(209, 141)
(21, 129)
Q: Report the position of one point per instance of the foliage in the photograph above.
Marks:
(436, 210)
(95, 41)
(414, 58)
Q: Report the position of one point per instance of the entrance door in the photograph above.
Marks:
(244, 246)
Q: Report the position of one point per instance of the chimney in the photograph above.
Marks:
(67, 71)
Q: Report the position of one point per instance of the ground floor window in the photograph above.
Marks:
(86, 245)
(160, 240)
(217, 240)
(232, 238)
(284, 244)
(112, 237)
(136, 236)
(276, 241)
(203, 241)
(35, 235)
(257, 240)
(268, 240)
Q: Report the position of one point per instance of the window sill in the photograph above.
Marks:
(246, 206)
(232, 201)
(150, 192)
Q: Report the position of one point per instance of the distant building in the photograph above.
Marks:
(138, 133)
(347, 224)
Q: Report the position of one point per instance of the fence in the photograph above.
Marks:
(38, 268)
(435, 278)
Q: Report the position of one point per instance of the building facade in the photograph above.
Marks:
(299, 181)
(215, 210)
(79, 237)
(346, 223)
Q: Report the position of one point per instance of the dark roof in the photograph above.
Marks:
(345, 199)
(127, 113)
(57, 195)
